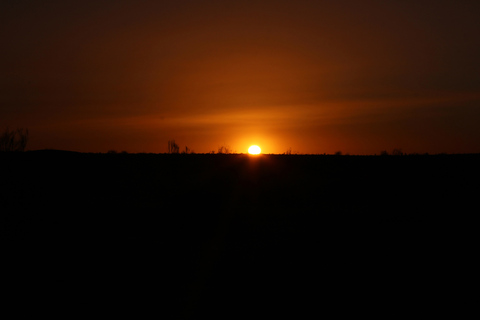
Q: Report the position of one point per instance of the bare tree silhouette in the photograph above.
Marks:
(397, 152)
(224, 149)
(14, 140)
(173, 147)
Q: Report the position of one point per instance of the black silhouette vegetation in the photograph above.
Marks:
(14, 140)
(208, 236)
(173, 147)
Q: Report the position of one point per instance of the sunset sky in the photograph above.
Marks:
(314, 76)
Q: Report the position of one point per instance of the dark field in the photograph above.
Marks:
(232, 236)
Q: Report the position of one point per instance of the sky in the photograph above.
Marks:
(358, 77)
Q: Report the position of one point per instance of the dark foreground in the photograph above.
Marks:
(233, 236)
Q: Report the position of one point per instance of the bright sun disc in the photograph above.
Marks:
(254, 150)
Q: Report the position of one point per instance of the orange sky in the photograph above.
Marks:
(313, 76)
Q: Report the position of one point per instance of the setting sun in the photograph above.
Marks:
(254, 150)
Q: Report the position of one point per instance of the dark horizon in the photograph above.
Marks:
(394, 152)
(218, 237)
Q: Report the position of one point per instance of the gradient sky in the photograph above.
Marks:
(313, 76)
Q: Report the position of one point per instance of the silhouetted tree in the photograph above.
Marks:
(173, 147)
(14, 140)
(224, 149)
(397, 152)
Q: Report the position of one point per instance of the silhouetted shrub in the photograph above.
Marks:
(224, 149)
(14, 140)
(397, 152)
(173, 147)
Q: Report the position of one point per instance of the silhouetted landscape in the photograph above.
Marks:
(125, 190)
(233, 236)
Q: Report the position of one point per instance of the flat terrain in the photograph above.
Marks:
(235, 235)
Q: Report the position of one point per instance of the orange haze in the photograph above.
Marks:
(317, 77)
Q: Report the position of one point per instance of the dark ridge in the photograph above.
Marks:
(53, 151)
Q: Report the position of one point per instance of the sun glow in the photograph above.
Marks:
(254, 150)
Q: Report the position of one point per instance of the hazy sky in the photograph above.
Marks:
(316, 76)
